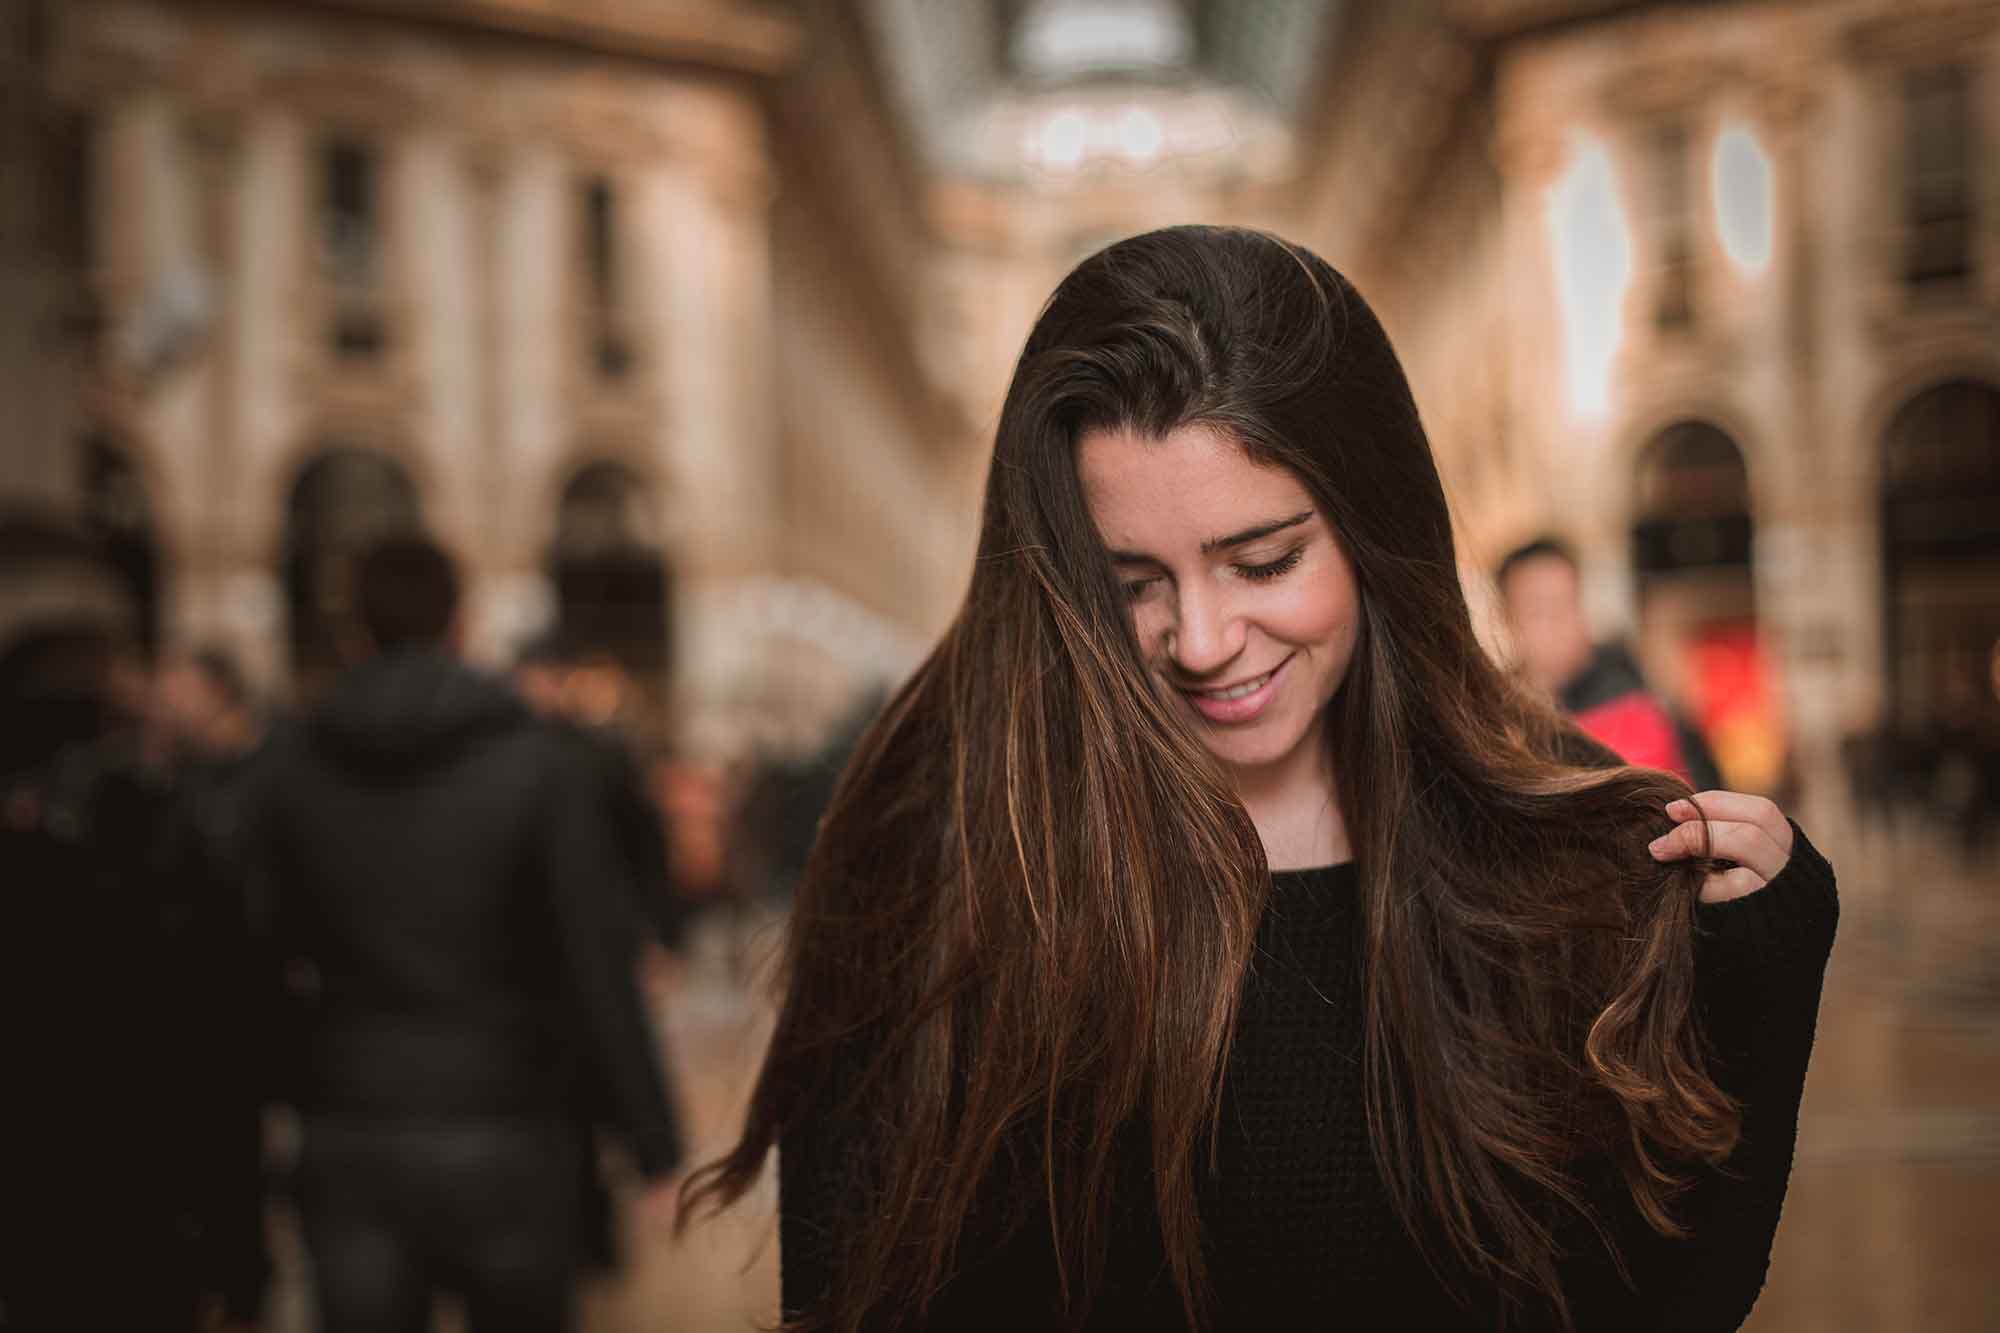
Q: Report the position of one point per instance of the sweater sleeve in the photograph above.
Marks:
(1760, 962)
(598, 933)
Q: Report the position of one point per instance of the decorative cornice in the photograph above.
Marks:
(1497, 20)
(373, 402)
(1676, 85)
(715, 35)
(1900, 327)
(1920, 33)
(350, 94)
(98, 62)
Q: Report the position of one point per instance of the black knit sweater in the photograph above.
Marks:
(1298, 1230)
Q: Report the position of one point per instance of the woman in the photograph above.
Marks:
(1209, 935)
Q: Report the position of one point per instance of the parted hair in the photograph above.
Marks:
(1034, 898)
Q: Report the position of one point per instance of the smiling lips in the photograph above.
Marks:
(1242, 702)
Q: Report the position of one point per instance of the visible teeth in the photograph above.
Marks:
(1239, 691)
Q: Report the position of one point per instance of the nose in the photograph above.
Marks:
(1206, 635)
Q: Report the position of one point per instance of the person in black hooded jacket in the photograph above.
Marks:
(448, 909)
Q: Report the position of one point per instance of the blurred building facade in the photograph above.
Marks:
(686, 324)
(1747, 350)
(491, 270)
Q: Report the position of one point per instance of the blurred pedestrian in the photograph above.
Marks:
(543, 673)
(1597, 684)
(206, 733)
(206, 710)
(205, 737)
(785, 799)
(132, 1194)
(449, 896)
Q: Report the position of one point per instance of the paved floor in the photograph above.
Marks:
(1893, 1221)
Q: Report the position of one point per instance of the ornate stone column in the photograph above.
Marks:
(507, 596)
(1814, 523)
(41, 288)
(225, 593)
(719, 423)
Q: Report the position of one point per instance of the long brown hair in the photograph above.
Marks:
(1034, 898)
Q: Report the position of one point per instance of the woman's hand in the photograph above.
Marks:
(1749, 831)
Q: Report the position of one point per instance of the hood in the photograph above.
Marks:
(411, 710)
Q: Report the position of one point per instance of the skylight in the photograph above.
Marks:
(1068, 39)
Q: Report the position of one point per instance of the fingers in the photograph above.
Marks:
(1737, 882)
(1739, 807)
(1728, 826)
(1749, 845)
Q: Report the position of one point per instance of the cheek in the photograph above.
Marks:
(1149, 625)
(1322, 613)
(1333, 629)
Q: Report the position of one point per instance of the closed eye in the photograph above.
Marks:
(1275, 569)
(1136, 588)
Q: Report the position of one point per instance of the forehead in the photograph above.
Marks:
(1193, 484)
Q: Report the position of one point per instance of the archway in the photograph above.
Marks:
(1692, 551)
(345, 497)
(1941, 562)
(613, 592)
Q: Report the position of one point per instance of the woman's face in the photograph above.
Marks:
(1242, 598)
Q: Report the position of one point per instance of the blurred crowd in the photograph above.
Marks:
(435, 900)
(1945, 777)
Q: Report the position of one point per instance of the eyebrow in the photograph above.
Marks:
(1214, 544)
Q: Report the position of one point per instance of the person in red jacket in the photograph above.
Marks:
(1597, 684)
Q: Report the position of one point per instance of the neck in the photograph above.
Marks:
(1294, 804)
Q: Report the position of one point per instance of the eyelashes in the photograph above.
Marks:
(1283, 565)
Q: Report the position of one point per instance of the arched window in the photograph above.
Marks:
(345, 498)
(350, 248)
(606, 304)
(1693, 502)
(612, 589)
(1941, 558)
(1940, 178)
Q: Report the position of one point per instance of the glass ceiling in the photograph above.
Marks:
(1057, 92)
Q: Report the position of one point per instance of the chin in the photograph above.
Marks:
(1253, 751)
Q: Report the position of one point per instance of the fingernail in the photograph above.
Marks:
(1679, 809)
